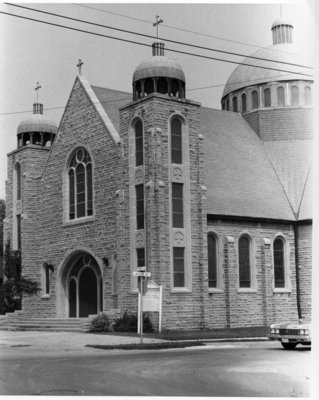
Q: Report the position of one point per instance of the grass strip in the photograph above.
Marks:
(146, 346)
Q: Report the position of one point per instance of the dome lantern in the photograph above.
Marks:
(37, 129)
(282, 31)
(159, 74)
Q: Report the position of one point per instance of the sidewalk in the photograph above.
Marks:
(68, 341)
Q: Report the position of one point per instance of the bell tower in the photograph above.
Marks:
(164, 192)
(35, 136)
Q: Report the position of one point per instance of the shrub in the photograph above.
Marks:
(101, 323)
(128, 323)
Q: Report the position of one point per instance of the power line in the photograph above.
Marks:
(172, 27)
(130, 98)
(152, 37)
(147, 45)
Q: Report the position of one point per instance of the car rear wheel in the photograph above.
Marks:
(288, 346)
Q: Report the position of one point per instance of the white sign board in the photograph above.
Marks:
(152, 301)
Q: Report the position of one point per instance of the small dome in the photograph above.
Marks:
(281, 21)
(244, 75)
(159, 66)
(37, 123)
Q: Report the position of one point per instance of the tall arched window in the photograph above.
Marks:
(307, 93)
(18, 180)
(243, 103)
(212, 260)
(244, 262)
(281, 96)
(294, 96)
(254, 99)
(267, 101)
(80, 185)
(279, 263)
(139, 143)
(235, 104)
(176, 141)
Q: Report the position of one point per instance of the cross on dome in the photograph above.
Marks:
(37, 88)
(158, 21)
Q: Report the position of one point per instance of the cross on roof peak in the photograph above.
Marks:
(79, 65)
(158, 21)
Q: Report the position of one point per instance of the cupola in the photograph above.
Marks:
(159, 74)
(281, 31)
(37, 130)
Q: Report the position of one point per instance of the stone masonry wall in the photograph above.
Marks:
(182, 309)
(55, 237)
(235, 307)
(305, 268)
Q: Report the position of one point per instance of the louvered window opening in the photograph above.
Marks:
(243, 103)
(139, 145)
(267, 100)
(176, 141)
(294, 96)
(212, 261)
(19, 242)
(178, 266)
(307, 92)
(279, 263)
(244, 262)
(80, 185)
(235, 104)
(177, 205)
(139, 206)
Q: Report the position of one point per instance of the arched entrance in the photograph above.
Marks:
(83, 286)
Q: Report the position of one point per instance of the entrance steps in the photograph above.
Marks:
(19, 322)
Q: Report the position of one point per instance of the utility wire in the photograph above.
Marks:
(147, 45)
(153, 37)
(172, 27)
(130, 98)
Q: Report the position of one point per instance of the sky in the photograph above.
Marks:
(32, 52)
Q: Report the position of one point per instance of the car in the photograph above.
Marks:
(291, 334)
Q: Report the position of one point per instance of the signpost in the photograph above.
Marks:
(141, 274)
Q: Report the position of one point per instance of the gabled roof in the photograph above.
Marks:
(244, 177)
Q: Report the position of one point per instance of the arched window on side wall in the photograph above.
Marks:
(243, 103)
(80, 185)
(244, 256)
(279, 263)
(307, 93)
(281, 96)
(294, 95)
(254, 99)
(212, 247)
(18, 180)
(139, 143)
(267, 101)
(176, 141)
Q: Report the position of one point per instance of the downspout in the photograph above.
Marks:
(296, 238)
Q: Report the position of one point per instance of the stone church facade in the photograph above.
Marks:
(215, 203)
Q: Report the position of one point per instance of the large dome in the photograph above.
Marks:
(159, 66)
(244, 75)
(37, 123)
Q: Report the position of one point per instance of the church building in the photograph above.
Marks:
(216, 204)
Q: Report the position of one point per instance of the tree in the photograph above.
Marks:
(15, 284)
(2, 217)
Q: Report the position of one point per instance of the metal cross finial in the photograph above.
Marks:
(37, 89)
(79, 65)
(158, 21)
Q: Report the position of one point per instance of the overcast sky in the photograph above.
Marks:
(32, 51)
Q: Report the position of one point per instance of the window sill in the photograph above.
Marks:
(78, 221)
(215, 290)
(246, 290)
(281, 290)
(181, 291)
(45, 296)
